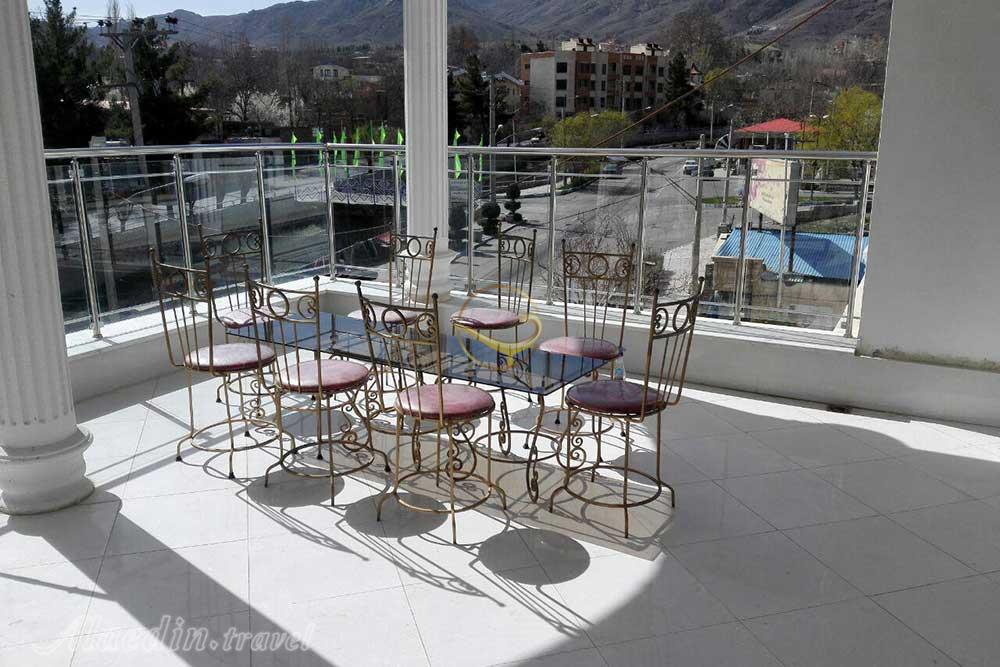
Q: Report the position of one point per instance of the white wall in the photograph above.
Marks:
(932, 291)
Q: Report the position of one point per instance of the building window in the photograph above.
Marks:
(561, 68)
(637, 86)
(614, 67)
(604, 85)
(581, 83)
(560, 102)
(660, 72)
(604, 68)
(601, 101)
(638, 70)
(527, 65)
(560, 84)
(659, 87)
(626, 69)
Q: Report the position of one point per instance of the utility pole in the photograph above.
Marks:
(126, 41)
(493, 136)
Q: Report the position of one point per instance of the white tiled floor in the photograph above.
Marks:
(801, 537)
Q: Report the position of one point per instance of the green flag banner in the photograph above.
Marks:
(458, 158)
(357, 153)
(381, 140)
(295, 140)
(318, 137)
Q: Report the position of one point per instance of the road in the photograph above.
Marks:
(611, 204)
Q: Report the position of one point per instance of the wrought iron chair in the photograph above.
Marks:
(597, 284)
(411, 266)
(515, 275)
(406, 343)
(186, 299)
(226, 254)
(289, 317)
(671, 331)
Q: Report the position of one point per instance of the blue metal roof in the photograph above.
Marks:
(816, 255)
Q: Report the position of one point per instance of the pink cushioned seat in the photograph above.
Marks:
(614, 396)
(392, 317)
(229, 357)
(338, 375)
(236, 318)
(460, 400)
(486, 318)
(591, 348)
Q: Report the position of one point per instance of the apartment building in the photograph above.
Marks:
(583, 75)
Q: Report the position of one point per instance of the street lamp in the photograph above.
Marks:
(711, 119)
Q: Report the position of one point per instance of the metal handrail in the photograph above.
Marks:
(545, 152)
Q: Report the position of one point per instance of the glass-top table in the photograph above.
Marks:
(530, 371)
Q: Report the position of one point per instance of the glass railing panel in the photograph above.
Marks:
(131, 207)
(69, 253)
(597, 210)
(363, 194)
(800, 242)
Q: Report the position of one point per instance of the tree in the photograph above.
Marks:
(462, 43)
(473, 94)
(853, 123)
(68, 79)
(248, 74)
(169, 101)
(584, 130)
(685, 111)
(698, 34)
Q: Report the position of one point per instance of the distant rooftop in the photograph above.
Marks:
(778, 126)
(817, 255)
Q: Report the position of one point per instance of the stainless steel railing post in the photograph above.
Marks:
(859, 237)
(264, 221)
(330, 228)
(397, 194)
(640, 241)
(741, 265)
(182, 213)
(698, 213)
(553, 177)
(83, 225)
(470, 217)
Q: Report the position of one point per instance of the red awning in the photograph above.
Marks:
(778, 126)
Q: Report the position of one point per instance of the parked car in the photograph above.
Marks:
(707, 167)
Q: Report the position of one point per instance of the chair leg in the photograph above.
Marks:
(452, 453)
(567, 442)
(597, 435)
(229, 424)
(628, 447)
(659, 475)
(187, 372)
(318, 402)
(437, 459)
(395, 482)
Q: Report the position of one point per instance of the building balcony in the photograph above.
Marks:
(823, 491)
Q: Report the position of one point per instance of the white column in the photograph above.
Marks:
(425, 46)
(934, 263)
(41, 446)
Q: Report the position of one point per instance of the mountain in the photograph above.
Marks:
(381, 21)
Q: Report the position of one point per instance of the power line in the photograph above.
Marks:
(819, 10)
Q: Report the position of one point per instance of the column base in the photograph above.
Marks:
(44, 478)
(441, 279)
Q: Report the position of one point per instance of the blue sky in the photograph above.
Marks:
(88, 8)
